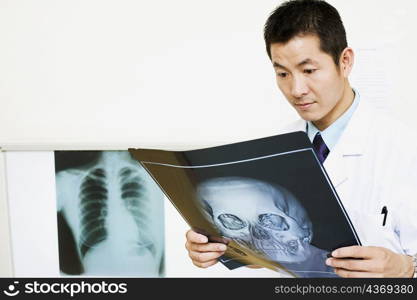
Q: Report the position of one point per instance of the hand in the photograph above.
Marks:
(202, 253)
(370, 262)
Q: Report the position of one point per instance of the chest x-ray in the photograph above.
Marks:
(264, 217)
(110, 215)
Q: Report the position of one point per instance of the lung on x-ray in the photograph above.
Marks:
(110, 215)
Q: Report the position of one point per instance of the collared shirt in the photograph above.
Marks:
(332, 133)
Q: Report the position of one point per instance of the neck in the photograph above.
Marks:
(340, 108)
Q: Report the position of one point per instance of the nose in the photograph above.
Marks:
(299, 87)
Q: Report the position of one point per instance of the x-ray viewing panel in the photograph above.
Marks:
(83, 213)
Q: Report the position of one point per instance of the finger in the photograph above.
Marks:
(205, 265)
(195, 237)
(208, 247)
(353, 274)
(351, 264)
(355, 252)
(254, 266)
(204, 257)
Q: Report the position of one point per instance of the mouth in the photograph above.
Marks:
(303, 106)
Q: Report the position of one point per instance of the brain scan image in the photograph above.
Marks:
(264, 217)
(113, 212)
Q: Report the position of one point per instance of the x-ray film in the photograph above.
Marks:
(110, 216)
(269, 199)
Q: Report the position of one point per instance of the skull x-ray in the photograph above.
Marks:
(110, 215)
(262, 216)
(269, 199)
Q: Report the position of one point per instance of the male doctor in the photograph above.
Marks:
(370, 157)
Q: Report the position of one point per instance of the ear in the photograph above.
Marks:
(346, 61)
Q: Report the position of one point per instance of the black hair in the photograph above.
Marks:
(303, 17)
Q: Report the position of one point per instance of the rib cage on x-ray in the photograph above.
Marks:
(115, 212)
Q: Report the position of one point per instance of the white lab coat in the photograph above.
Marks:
(374, 164)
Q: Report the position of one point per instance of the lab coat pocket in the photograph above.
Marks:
(373, 232)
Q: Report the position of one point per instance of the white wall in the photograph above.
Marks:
(146, 72)
(104, 74)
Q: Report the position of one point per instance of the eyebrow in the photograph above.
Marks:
(302, 63)
(277, 65)
(306, 62)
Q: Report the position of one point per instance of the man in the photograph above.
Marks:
(370, 158)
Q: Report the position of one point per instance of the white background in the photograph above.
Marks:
(101, 74)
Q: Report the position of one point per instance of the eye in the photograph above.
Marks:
(282, 74)
(309, 71)
(273, 222)
(231, 222)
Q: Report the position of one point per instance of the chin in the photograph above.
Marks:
(308, 116)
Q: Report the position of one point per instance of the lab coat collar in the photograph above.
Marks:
(350, 144)
(355, 135)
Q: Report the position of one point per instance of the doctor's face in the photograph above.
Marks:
(310, 79)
